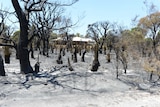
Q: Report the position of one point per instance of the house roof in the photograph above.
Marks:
(77, 39)
(82, 39)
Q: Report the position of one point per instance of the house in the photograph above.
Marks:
(82, 40)
(75, 41)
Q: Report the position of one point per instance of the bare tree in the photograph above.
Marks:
(50, 19)
(116, 49)
(102, 29)
(95, 63)
(83, 54)
(105, 28)
(94, 33)
(4, 33)
(23, 15)
(44, 22)
(2, 19)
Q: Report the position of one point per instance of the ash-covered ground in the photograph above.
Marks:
(56, 86)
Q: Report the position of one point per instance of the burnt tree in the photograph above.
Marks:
(101, 29)
(22, 46)
(83, 54)
(24, 16)
(50, 19)
(59, 60)
(95, 63)
(69, 65)
(75, 51)
(2, 70)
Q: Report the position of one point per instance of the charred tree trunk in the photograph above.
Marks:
(17, 54)
(32, 51)
(47, 47)
(116, 49)
(75, 51)
(80, 50)
(38, 45)
(69, 65)
(52, 49)
(105, 49)
(25, 66)
(59, 60)
(123, 59)
(150, 77)
(2, 71)
(95, 63)
(83, 54)
(101, 45)
(64, 52)
(44, 46)
(100, 49)
(117, 66)
(7, 55)
(37, 66)
(108, 57)
(22, 49)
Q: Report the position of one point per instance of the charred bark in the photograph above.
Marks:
(108, 57)
(83, 54)
(38, 45)
(151, 75)
(95, 63)
(64, 52)
(22, 49)
(32, 51)
(75, 51)
(7, 54)
(59, 60)
(47, 47)
(69, 65)
(105, 49)
(2, 70)
(37, 67)
(44, 47)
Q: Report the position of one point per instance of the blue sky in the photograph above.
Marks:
(121, 11)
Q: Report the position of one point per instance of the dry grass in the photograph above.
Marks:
(152, 65)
